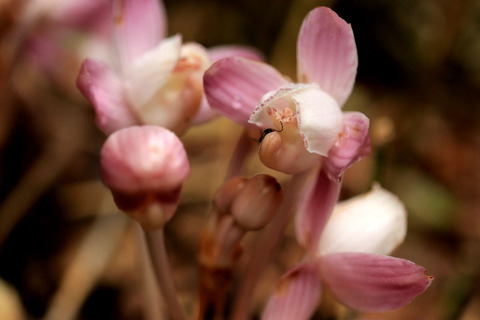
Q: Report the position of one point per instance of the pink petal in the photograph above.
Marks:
(296, 295)
(373, 283)
(234, 86)
(327, 53)
(140, 25)
(205, 113)
(314, 213)
(352, 145)
(94, 15)
(221, 52)
(104, 90)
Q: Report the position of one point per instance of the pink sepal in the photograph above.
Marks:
(139, 27)
(102, 87)
(296, 295)
(327, 54)
(373, 283)
(234, 86)
(205, 113)
(314, 213)
(352, 145)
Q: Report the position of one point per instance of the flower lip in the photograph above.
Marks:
(277, 100)
(311, 112)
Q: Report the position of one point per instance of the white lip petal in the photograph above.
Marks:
(319, 119)
(151, 70)
(278, 99)
(375, 222)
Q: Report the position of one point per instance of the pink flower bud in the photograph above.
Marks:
(256, 204)
(144, 167)
(227, 193)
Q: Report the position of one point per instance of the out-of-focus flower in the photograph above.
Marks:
(305, 118)
(145, 167)
(351, 259)
(156, 81)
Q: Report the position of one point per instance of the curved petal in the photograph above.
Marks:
(234, 86)
(105, 91)
(319, 119)
(375, 222)
(205, 113)
(315, 212)
(139, 27)
(296, 295)
(220, 52)
(150, 71)
(352, 145)
(327, 54)
(373, 283)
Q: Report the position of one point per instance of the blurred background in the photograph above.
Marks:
(66, 253)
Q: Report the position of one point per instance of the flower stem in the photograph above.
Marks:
(242, 149)
(156, 247)
(297, 190)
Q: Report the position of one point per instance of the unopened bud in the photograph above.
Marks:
(257, 202)
(226, 194)
(145, 167)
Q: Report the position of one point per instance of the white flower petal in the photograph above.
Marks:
(319, 119)
(151, 70)
(375, 222)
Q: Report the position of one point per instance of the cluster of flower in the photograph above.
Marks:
(159, 87)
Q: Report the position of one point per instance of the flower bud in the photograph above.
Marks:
(227, 192)
(257, 202)
(145, 167)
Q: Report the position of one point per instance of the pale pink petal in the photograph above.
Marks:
(94, 15)
(314, 213)
(234, 86)
(327, 54)
(374, 222)
(102, 87)
(319, 118)
(221, 52)
(296, 295)
(140, 25)
(142, 159)
(352, 145)
(205, 113)
(373, 283)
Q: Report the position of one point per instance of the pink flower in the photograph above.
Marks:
(306, 116)
(156, 80)
(145, 167)
(351, 260)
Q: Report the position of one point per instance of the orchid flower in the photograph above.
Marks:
(351, 260)
(304, 117)
(156, 81)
